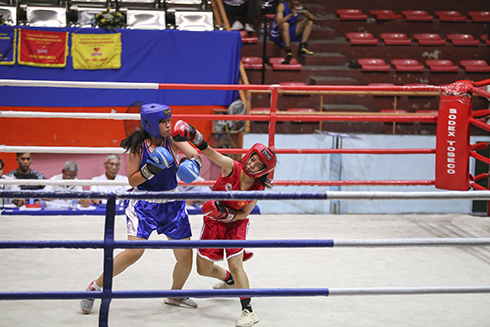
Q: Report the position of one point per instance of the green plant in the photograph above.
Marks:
(110, 20)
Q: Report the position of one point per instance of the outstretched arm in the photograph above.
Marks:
(183, 131)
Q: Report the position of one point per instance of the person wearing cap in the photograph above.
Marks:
(228, 219)
(152, 166)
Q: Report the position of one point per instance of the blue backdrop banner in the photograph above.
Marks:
(148, 56)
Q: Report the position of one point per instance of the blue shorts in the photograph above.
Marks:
(168, 218)
(292, 36)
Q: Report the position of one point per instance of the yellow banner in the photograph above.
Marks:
(96, 51)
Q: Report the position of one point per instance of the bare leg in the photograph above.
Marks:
(182, 268)
(284, 32)
(239, 275)
(124, 259)
(209, 269)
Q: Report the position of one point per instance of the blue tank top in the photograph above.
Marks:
(275, 36)
(165, 180)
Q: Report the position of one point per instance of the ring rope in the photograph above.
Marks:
(256, 195)
(251, 292)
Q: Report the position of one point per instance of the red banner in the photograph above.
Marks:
(43, 48)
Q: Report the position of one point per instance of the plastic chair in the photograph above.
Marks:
(417, 16)
(276, 63)
(429, 39)
(463, 40)
(361, 38)
(479, 16)
(407, 65)
(395, 39)
(380, 14)
(485, 39)
(475, 66)
(373, 65)
(441, 66)
(450, 16)
(351, 14)
(252, 62)
(248, 37)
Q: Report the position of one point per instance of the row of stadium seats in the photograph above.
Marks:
(429, 39)
(412, 65)
(415, 15)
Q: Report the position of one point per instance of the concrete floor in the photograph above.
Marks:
(71, 270)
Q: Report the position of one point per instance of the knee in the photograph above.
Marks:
(203, 269)
(185, 257)
(310, 23)
(133, 255)
(235, 268)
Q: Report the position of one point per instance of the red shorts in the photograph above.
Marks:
(215, 230)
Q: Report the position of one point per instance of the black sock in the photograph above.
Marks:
(288, 50)
(245, 301)
(229, 278)
(302, 45)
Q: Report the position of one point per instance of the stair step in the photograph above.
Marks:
(329, 80)
(323, 59)
(322, 33)
(344, 107)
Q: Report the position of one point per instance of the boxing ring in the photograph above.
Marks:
(469, 237)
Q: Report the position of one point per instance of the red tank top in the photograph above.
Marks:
(232, 183)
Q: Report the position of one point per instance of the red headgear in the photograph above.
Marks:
(267, 157)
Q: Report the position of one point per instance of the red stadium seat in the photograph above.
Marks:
(417, 16)
(395, 39)
(463, 40)
(441, 66)
(450, 16)
(384, 15)
(276, 63)
(373, 65)
(485, 39)
(260, 110)
(479, 16)
(381, 84)
(293, 83)
(248, 37)
(393, 111)
(351, 14)
(407, 65)
(361, 38)
(475, 66)
(300, 111)
(252, 62)
(429, 39)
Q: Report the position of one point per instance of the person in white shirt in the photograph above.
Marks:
(112, 164)
(69, 171)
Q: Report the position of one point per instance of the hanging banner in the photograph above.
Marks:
(96, 51)
(43, 48)
(7, 46)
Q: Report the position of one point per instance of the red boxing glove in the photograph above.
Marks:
(183, 131)
(215, 210)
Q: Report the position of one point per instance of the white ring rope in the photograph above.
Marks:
(83, 85)
(74, 115)
(60, 149)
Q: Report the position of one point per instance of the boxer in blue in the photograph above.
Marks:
(153, 167)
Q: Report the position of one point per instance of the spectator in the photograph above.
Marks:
(24, 171)
(69, 171)
(286, 28)
(112, 164)
(249, 9)
(4, 201)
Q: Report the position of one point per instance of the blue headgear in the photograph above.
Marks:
(151, 114)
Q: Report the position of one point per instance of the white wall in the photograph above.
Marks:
(358, 167)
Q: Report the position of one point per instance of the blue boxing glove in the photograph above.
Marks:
(158, 160)
(188, 170)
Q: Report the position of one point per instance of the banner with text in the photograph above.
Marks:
(43, 48)
(96, 51)
(7, 46)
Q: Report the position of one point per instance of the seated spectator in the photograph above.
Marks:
(249, 9)
(287, 27)
(112, 164)
(69, 171)
(24, 171)
(4, 201)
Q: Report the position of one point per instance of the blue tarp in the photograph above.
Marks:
(150, 56)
